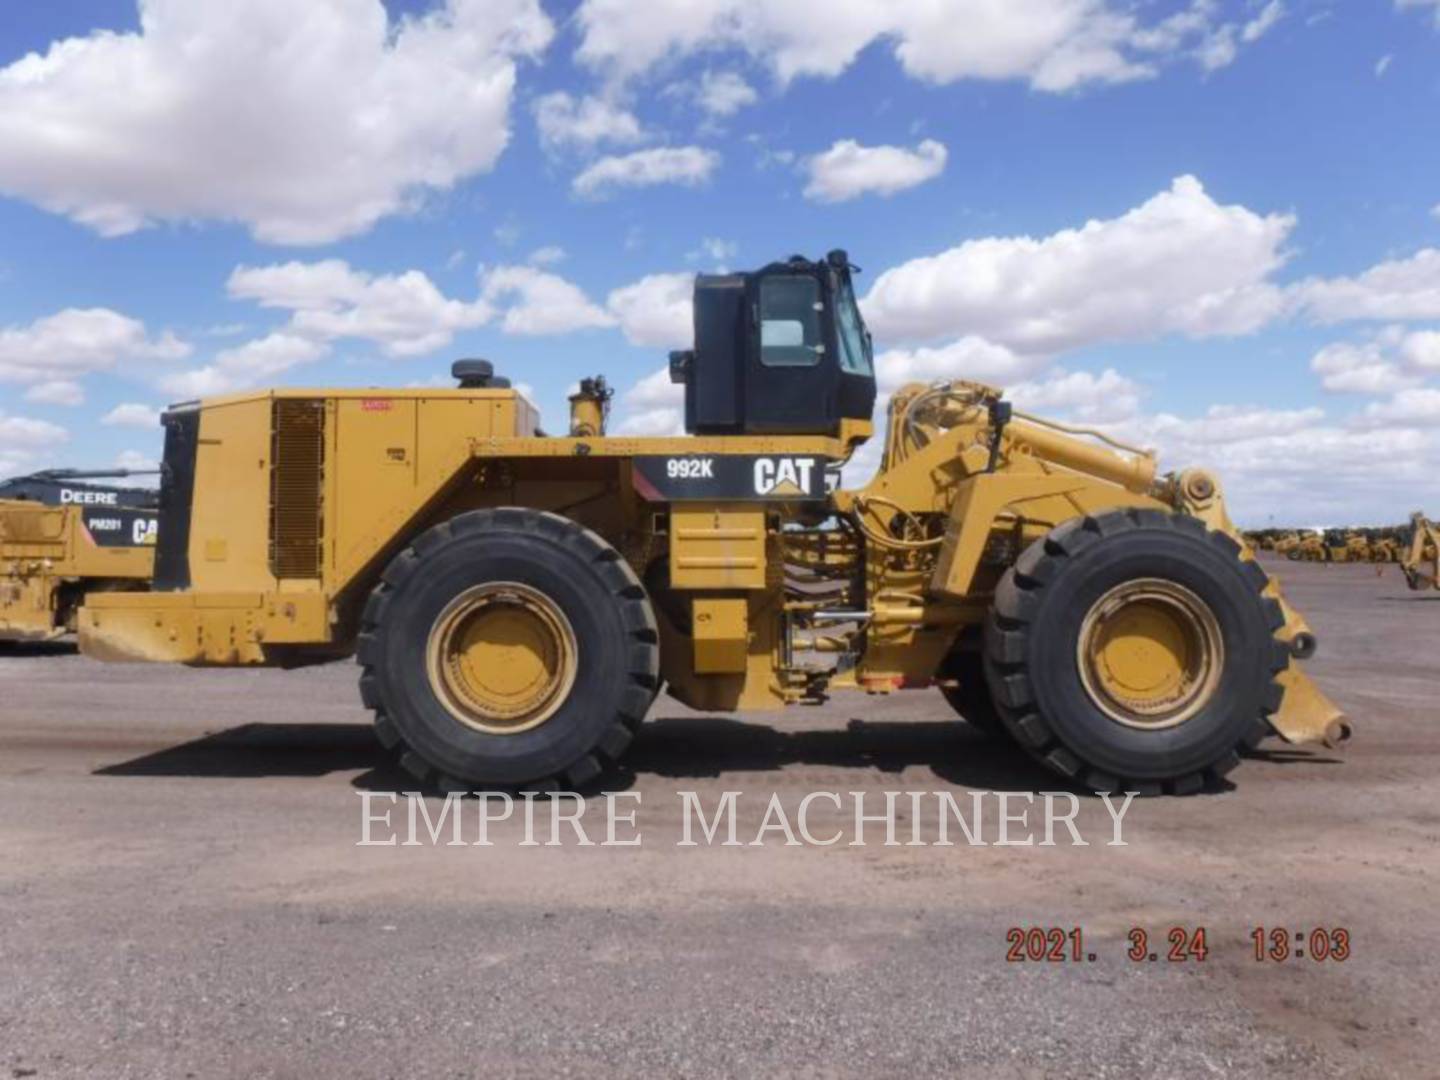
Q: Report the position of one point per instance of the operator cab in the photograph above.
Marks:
(780, 350)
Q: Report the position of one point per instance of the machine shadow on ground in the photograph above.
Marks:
(678, 748)
(33, 649)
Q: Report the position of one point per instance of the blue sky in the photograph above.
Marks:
(221, 196)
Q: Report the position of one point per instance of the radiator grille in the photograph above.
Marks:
(297, 490)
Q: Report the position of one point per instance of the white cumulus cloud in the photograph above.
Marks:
(1418, 405)
(685, 165)
(565, 121)
(1220, 42)
(1421, 350)
(653, 406)
(1294, 466)
(1054, 45)
(656, 311)
(70, 343)
(1083, 396)
(1360, 368)
(246, 365)
(138, 461)
(1406, 288)
(724, 93)
(305, 122)
(541, 302)
(405, 314)
(131, 414)
(1264, 22)
(546, 256)
(23, 440)
(23, 433)
(1180, 262)
(1389, 361)
(968, 357)
(848, 169)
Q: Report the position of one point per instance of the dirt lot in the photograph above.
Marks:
(183, 894)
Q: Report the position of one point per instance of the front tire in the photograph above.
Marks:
(970, 696)
(508, 647)
(1135, 650)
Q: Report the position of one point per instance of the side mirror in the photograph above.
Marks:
(680, 363)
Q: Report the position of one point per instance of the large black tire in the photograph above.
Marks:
(970, 696)
(1033, 637)
(615, 638)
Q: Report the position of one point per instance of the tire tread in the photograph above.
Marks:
(1011, 624)
(642, 657)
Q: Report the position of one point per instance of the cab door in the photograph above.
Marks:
(792, 376)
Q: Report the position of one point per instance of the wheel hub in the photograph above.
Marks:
(502, 658)
(1150, 654)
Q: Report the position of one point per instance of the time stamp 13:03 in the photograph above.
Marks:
(1177, 945)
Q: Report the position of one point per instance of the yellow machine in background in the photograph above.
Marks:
(516, 601)
(1310, 548)
(1286, 543)
(62, 538)
(1358, 545)
(1421, 561)
(1385, 550)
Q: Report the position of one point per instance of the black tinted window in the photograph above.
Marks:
(790, 312)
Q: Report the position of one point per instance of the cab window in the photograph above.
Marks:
(790, 310)
(854, 343)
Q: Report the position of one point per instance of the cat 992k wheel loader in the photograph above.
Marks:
(61, 538)
(517, 600)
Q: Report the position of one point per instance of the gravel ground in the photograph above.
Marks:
(183, 893)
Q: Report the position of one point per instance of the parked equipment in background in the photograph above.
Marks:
(1379, 545)
(1421, 560)
(516, 601)
(62, 537)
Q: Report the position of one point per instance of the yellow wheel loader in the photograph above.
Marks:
(1385, 549)
(61, 538)
(516, 600)
(1311, 547)
(1286, 544)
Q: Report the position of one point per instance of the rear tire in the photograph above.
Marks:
(1054, 675)
(443, 682)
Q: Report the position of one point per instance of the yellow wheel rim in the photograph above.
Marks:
(1150, 654)
(502, 658)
